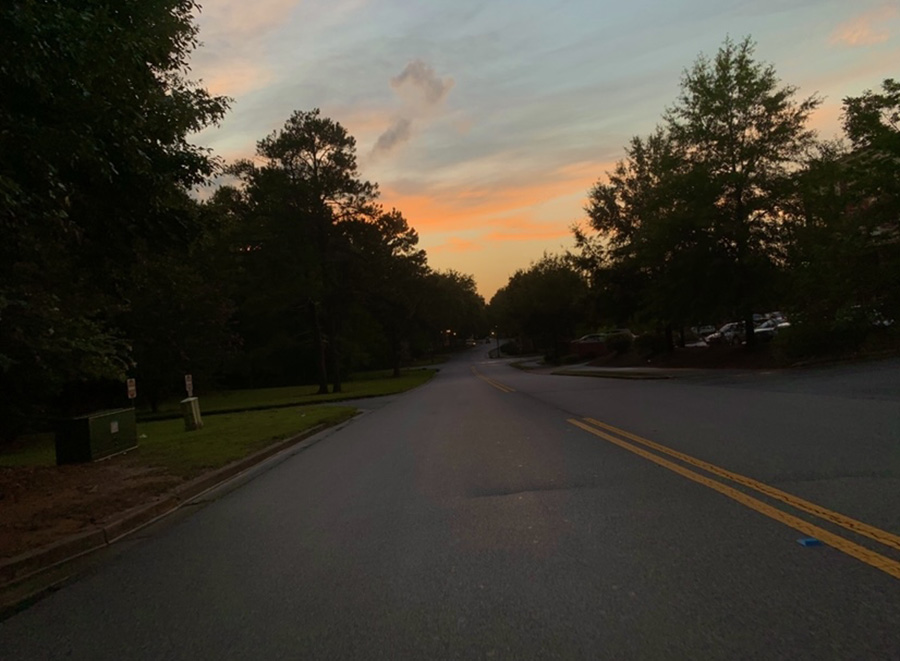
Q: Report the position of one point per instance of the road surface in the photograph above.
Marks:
(501, 514)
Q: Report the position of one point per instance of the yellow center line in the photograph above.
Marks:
(887, 565)
(490, 381)
(876, 534)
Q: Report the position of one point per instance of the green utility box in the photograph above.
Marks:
(95, 436)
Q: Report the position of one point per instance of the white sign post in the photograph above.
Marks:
(190, 407)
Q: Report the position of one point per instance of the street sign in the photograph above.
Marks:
(132, 388)
(189, 384)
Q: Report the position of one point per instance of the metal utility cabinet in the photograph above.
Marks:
(95, 436)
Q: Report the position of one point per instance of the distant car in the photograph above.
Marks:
(732, 333)
(768, 329)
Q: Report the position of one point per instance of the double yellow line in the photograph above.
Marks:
(638, 445)
(490, 381)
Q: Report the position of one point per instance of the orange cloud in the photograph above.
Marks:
(551, 233)
(826, 119)
(364, 124)
(457, 245)
(238, 18)
(484, 206)
(236, 77)
(866, 29)
(505, 224)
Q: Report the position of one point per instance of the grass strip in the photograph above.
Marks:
(226, 438)
(228, 401)
(223, 439)
(229, 413)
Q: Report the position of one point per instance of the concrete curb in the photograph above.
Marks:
(609, 374)
(31, 564)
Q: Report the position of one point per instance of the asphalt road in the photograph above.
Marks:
(500, 514)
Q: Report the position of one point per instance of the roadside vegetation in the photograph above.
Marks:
(235, 424)
(223, 439)
(732, 210)
(128, 252)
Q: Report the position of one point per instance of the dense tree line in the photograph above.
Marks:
(329, 279)
(111, 267)
(94, 179)
(733, 206)
(542, 306)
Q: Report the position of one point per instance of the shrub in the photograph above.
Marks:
(619, 342)
(511, 348)
(810, 339)
(651, 343)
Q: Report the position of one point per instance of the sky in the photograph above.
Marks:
(486, 123)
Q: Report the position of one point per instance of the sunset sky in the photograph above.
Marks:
(486, 123)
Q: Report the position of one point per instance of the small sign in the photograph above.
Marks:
(114, 427)
(189, 384)
(132, 388)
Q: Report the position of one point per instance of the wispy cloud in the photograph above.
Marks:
(866, 29)
(422, 91)
(420, 85)
(397, 133)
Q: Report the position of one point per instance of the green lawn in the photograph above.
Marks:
(223, 439)
(371, 384)
(31, 450)
(228, 437)
(260, 417)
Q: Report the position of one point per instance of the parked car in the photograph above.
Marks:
(589, 346)
(731, 333)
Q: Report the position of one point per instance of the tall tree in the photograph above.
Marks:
(650, 255)
(746, 135)
(310, 186)
(845, 258)
(392, 273)
(872, 123)
(94, 165)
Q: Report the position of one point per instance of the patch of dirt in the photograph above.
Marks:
(42, 505)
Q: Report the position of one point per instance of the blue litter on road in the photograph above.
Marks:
(809, 541)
